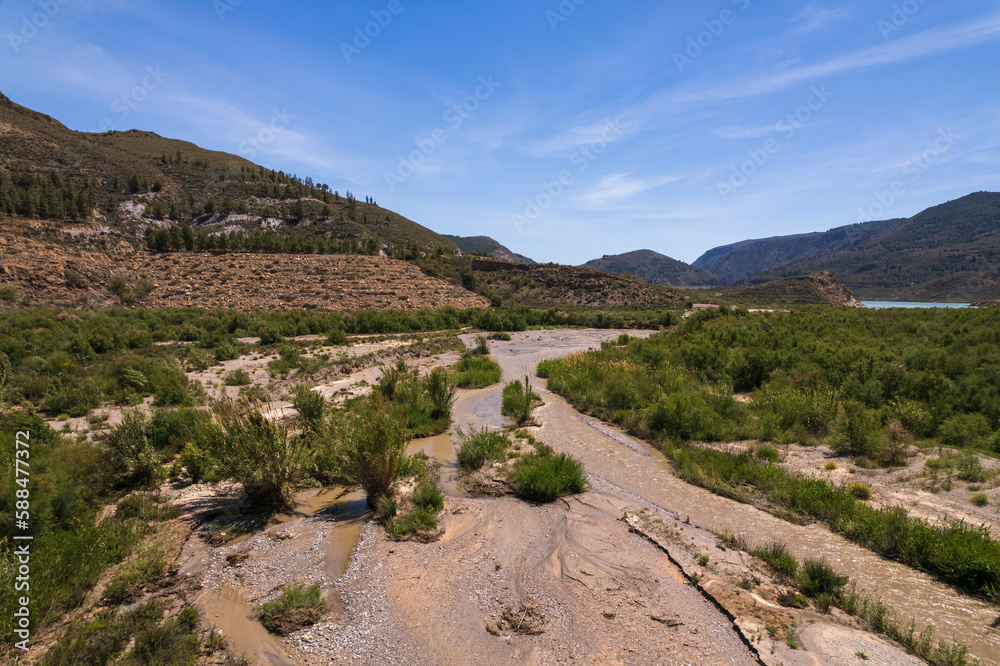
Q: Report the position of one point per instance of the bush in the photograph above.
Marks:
(311, 406)
(547, 478)
(296, 608)
(427, 495)
(171, 644)
(971, 469)
(980, 499)
(337, 337)
(859, 491)
(475, 373)
(134, 463)
(482, 347)
(8, 293)
(372, 449)
(237, 378)
(819, 578)
(135, 573)
(964, 430)
(857, 432)
(255, 451)
(776, 555)
(830, 466)
(441, 391)
(195, 462)
(518, 401)
(268, 336)
(478, 447)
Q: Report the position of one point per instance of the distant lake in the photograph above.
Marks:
(882, 305)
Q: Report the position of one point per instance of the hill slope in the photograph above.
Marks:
(654, 268)
(469, 244)
(132, 181)
(732, 263)
(948, 252)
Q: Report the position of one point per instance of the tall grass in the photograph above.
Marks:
(480, 446)
(373, 448)
(475, 373)
(255, 451)
(518, 401)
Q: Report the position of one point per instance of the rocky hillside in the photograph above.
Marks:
(470, 244)
(550, 285)
(654, 268)
(815, 289)
(42, 267)
(135, 181)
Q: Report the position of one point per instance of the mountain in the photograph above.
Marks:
(654, 268)
(950, 252)
(732, 263)
(485, 244)
(133, 181)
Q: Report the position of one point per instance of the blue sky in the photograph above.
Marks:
(566, 129)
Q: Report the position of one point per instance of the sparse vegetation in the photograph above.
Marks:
(297, 607)
(479, 447)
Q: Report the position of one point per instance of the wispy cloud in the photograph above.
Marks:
(908, 48)
(740, 132)
(620, 186)
(813, 18)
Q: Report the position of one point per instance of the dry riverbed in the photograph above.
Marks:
(629, 572)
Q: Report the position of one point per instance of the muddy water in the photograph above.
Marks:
(646, 474)
(442, 449)
(233, 617)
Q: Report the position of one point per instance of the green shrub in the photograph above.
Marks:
(441, 391)
(296, 608)
(482, 347)
(476, 373)
(373, 448)
(311, 406)
(830, 466)
(133, 574)
(255, 451)
(545, 367)
(8, 293)
(776, 555)
(546, 478)
(477, 447)
(971, 469)
(768, 454)
(268, 335)
(859, 491)
(818, 578)
(858, 432)
(170, 644)
(336, 337)
(386, 508)
(238, 377)
(134, 462)
(518, 401)
(964, 430)
(99, 640)
(980, 499)
(195, 462)
(171, 429)
(427, 495)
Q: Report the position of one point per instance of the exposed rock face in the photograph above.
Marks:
(838, 293)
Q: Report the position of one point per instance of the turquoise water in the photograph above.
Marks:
(881, 305)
